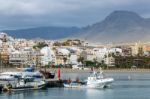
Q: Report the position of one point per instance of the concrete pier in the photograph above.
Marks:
(54, 82)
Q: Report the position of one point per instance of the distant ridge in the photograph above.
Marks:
(50, 32)
(118, 26)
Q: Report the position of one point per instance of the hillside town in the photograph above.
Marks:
(16, 52)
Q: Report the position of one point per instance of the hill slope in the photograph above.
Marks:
(44, 32)
(119, 26)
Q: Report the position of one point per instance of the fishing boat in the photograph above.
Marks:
(28, 83)
(74, 85)
(12, 80)
(95, 80)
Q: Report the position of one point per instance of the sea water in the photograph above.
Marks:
(126, 86)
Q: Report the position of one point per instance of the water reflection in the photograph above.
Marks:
(24, 94)
(95, 94)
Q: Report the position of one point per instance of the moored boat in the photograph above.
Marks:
(22, 80)
(73, 85)
(95, 80)
(28, 83)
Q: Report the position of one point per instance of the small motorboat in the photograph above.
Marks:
(74, 85)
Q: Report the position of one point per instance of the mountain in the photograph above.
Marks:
(119, 26)
(43, 32)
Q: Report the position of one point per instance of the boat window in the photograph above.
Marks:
(37, 76)
(17, 76)
(93, 75)
(29, 79)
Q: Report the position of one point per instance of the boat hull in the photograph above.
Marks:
(101, 83)
(78, 85)
(98, 85)
(35, 85)
(25, 88)
(108, 81)
(74, 86)
(28, 88)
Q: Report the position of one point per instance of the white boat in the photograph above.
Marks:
(75, 85)
(13, 76)
(95, 80)
(22, 80)
(28, 83)
(10, 76)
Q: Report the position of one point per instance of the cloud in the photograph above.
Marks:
(32, 13)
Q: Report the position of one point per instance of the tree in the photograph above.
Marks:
(81, 59)
(57, 44)
(65, 60)
(102, 64)
(95, 62)
(89, 63)
(40, 45)
(49, 64)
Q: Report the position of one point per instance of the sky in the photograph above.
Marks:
(17, 14)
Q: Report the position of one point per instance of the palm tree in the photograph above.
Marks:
(49, 64)
(95, 62)
(65, 60)
(81, 59)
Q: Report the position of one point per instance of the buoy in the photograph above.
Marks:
(129, 77)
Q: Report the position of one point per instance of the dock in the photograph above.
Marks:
(54, 82)
(1, 88)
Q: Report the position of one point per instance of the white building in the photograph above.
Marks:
(109, 61)
(116, 51)
(101, 53)
(63, 51)
(48, 56)
(73, 59)
(18, 58)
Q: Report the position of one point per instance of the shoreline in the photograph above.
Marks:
(68, 70)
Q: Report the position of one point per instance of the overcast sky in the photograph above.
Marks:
(35, 13)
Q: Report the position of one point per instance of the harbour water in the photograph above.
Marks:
(126, 86)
